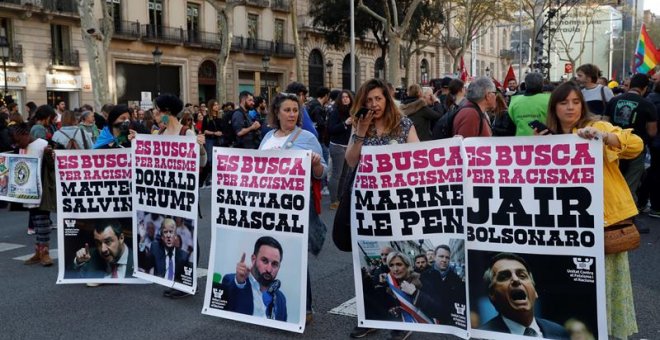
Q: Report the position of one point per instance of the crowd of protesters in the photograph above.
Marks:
(588, 105)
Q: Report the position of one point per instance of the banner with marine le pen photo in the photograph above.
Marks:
(409, 254)
(20, 178)
(534, 224)
(165, 209)
(94, 216)
(259, 230)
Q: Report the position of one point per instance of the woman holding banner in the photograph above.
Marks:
(568, 113)
(285, 118)
(117, 134)
(412, 302)
(383, 124)
(39, 214)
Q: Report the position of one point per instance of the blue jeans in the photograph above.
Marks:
(337, 173)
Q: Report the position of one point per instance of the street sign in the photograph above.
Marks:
(568, 68)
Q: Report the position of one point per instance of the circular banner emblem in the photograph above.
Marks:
(21, 173)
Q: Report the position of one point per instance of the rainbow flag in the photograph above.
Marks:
(646, 55)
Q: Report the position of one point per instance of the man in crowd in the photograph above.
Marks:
(449, 288)
(512, 290)
(421, 264)
(531, 106)
(59, 109)
(422, 116)
(247, 132)
(317, 111)
(595, 95)
(471, 120)
(632, 111)
(300, 91)
(254, 290)
(110, 258)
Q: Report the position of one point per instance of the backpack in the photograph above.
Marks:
(72, 144)
(228, 133)
(444, 127)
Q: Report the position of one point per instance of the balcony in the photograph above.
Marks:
(163, 34)
(261, 47)
(257, 3)
(127, 30)
(208, 40)
(507, 54)
(281, 5)
(452, 43)
(64, 57)
(15, 53)
(65, 6)
(284, 50)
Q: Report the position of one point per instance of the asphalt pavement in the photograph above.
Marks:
(32, 306)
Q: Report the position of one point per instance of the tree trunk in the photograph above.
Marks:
(394, 59)
(296, 42)
(96, 45)
(223, 56)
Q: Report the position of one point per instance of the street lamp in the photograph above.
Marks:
(487, 71)
(265, 63)
(158, 54)
(328, 68)
(4, 53)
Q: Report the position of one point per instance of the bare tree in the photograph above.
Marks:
(423, 32)
(296, 41)
(572, 36)
(96, 38)
(467, 20)
(226, 26)
(394, 31)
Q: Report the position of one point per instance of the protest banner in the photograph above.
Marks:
(165, 209)
(259, 231)
(534, 225)
(94, 215)
(408, 199)
(20, 178)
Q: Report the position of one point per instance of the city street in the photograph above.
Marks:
(34, 307)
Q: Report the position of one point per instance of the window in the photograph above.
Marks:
(279, 30)
(446, 58)
(192, 21)
(253, 26)
(155, 17)
(491, 43)
(424, 70)
(115, 11)
(61, 53)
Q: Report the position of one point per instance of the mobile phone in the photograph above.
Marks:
(535, 124)
(362, 112)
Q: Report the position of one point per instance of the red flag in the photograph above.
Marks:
(464, 74)
(509, 76)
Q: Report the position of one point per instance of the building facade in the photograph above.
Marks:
(48, 63)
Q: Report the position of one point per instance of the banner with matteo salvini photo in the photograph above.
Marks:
(94, 216)
(165, 209)
(534, 225)
(259, 230)
(408, 238)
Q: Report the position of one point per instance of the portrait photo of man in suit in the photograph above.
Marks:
(512, 290)
(255, 289)
(109, 258)
(166, 260)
